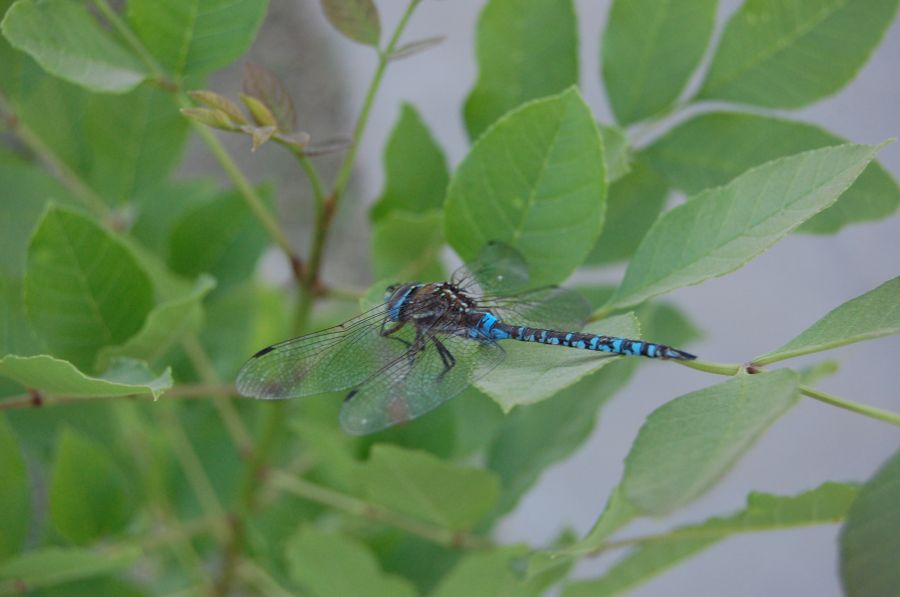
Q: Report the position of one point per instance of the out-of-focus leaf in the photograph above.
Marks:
(68, 42)
(61, 378)
(615, 152)
(533, 372)
(356, 19)
(650, 49)
(414, 47)
(871, 315)
(869, 541)
(633, 204)
(220, 102)
(15, 509)
(84, 289)
(193, 37)
(688, 444)
(534, 181)
(721, 229)
(421, 485)
(407, 246)
(89, 495)
(526, 49)
(710, 149)
(827, 503)
(326, 564)
(415, 168)
(782, 53)
(159, 207)
(262, 84)
(494, 573)
(50, 566)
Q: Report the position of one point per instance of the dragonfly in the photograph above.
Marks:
(428, 342)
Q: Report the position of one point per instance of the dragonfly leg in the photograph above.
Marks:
(386, 332)
(446, 356)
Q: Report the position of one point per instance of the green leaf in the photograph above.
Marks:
(533, 437)
(407, 246)
(871, 315)
(356, 19)
(193, 37)
(69, 43)
(84, 290)
(686, 445)
(526, 49)
(89, 495)
(534, 372)
(421, 485)
(221, 237)
(869, 541)
(166, 324)
(721, 229)
(160, 207)
(536, 182)
(633, 204)
(326, 564)
(15, 506)
(826, 504)
(616, 153)
(415, 169)
(782, 54)
(61, 378)
(650, 49)
(50, 566)
(492, 573)
(710, 149)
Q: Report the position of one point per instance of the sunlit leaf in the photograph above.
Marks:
(356, 19)
(534, 181)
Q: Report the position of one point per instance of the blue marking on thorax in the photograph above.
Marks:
(394, 309)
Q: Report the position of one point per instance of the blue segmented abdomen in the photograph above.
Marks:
(492, 327)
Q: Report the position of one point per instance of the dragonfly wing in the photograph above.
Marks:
(334, 359)
(418, 382)
(549, 307)
(499, 269)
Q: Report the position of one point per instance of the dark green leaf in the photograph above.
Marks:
(871, 315)
(721, 229)
(711, 149)
(159, 208)
(356, 19)
(870, 541)
(84, 289)
(526, 49)
(51, 566)
(15, 509)
(69, 43)
(192, 37)
(415, 168)
(686, 445)
(782, 54)
(407, 246)
(421, 485)
(89, 495)
(61, 378)
(650, 49)
(534, 181)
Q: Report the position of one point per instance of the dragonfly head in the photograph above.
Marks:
(395, 295)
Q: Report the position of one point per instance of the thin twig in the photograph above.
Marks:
(862, 409)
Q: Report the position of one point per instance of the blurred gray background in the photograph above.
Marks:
(743, 314)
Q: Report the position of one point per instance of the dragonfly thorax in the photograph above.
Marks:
(428, 302)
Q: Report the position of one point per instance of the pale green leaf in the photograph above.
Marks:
(789, 53)
(407, 246)
(870, 539)
(191, 37)
(826, 504)
(89, 495)
(536, 182)
(633, 204)
(526, 49)
(421, 485)
(415, 169)
(650, 49)
(871, 315)
(326, 564)
(721, 229)
(68, 42)
(616, 152)
(60, 378)
(15, 506)
(50, 566)
(493, 573)
(688, 444)
(84, 289)
(356, 19)
(533, 372)
(710, 149)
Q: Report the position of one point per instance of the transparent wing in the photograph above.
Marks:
(334, 359)
(418, 382)
(550, 307)
(499, 269)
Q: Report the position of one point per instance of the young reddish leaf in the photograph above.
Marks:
(356, 19)
(262, 84)
(414, 47)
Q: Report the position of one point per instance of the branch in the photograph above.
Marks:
(862, 409)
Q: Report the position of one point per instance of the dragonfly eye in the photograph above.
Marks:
(390, 290)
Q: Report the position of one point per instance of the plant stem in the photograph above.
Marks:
(133, 42)
(357, 507)
(717, 368)
(39, 400)
(862, 409)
